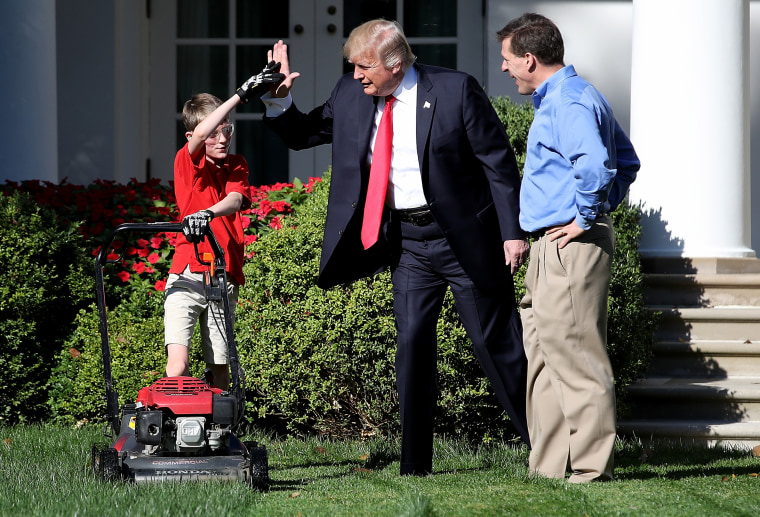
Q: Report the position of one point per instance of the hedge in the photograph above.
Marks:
(44, 279)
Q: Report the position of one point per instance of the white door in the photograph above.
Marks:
(214, 45)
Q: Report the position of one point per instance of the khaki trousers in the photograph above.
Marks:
(571, 395)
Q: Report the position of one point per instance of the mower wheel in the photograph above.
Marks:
(258, 461)
(110, 470)
(95, 457)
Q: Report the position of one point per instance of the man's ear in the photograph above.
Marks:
(530, 61)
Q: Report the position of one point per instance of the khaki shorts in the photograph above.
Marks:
(186, 304)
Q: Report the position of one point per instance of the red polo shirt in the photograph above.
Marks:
(199, 186)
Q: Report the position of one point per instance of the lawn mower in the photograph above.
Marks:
(179, 428)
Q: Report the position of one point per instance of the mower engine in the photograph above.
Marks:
(183, 415)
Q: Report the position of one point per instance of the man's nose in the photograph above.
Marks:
(358, 74)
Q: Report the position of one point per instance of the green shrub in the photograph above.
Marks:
(293, 336)
(325, 359)
(44, 280)
(630, 326)
(516, 119)
(136, 340)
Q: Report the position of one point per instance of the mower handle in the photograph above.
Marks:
(112, 396)
(102, 258)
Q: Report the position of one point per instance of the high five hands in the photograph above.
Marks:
(279, 54)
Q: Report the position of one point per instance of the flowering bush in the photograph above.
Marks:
(101, 206)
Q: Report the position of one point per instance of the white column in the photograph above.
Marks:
(29, 130)
(690, 126)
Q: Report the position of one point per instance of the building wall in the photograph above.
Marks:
(86, 99)
(597, 38)
(754, 93)
(72, 85)
(28, 91)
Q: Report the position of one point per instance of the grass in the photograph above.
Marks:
(44, 471)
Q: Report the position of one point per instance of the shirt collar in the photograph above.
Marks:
(544, 88)
(407, 90)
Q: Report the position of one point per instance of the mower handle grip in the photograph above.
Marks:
(102, 258)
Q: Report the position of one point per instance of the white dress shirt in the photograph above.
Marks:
(405, 179)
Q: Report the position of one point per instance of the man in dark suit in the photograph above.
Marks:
(449, 215)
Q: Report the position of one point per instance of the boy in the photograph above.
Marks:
(212, 187)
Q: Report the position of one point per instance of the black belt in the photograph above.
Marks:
(418, 216)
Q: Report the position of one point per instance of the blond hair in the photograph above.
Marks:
(198, 108)
(385, 39)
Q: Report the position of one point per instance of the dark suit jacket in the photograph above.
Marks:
(469, 174)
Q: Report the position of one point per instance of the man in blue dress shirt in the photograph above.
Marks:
(578, 168)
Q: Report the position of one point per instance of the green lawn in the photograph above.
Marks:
(45, 471)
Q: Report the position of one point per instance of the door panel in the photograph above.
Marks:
(214, 45)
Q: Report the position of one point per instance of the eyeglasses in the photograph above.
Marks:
(227, 131)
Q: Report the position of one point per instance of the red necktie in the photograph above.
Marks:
(378, 176)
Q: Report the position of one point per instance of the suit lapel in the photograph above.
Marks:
(426, 101)
(365, 116)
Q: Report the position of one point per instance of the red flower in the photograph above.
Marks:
(160, 285)
(276, 223)
(154, 257)
(156, 242)
(250, 239)
(138, 267)
(281, 206)
(142, 243)
(124, 276)
(265, 206)
(143, 252)
(113, 256)
(312, 181)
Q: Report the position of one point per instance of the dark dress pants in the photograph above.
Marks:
(426, 266)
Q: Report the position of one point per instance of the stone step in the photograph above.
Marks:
(704, 383)
(699, 265)
(708, 359)
(714, 323)
(741, 435)
(732, 399)
(702, 290)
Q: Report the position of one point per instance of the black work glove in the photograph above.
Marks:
(194, 225)
(270, 74)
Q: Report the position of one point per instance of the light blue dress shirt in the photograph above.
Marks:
(579, 162)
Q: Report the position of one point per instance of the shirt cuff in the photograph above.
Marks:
(582, 222)
(276, 106)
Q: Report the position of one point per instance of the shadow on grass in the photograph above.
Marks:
(381, 456)
(671, 461)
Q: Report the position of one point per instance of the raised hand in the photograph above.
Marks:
(269, 75)
(279, 54)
